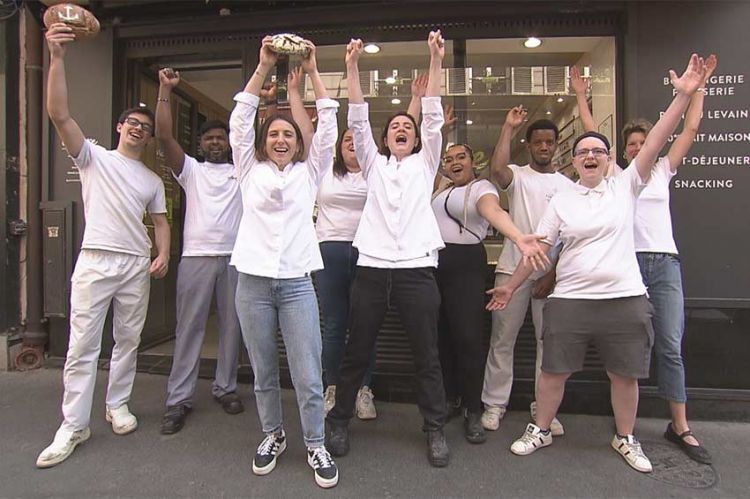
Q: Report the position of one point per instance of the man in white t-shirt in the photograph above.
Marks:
(115, 259)
(214, 209)
(529, 189)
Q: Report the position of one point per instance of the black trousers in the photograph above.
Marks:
(461, 278)
(415, 295)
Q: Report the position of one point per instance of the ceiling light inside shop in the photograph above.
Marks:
(548, 113)
(523, 140)
(390, 80)
(395, 101)
(469, 122)
(532, 42)
(560, 99)
(372, 48)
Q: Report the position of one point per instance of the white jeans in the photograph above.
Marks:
(498, 374)
(101, 277)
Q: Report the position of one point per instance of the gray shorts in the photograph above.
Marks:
(620, 329)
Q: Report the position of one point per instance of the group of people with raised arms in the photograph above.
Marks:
(386, 235)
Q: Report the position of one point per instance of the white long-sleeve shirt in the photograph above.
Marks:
(276, 237)
(398, 227)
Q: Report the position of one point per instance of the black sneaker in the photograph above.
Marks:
(437, 448)
(338, 440)
(269, 449)
(473, 429)
(326, 472)
(174, 419)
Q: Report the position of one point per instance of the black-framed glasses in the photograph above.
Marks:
(598, 152)
(146, 127)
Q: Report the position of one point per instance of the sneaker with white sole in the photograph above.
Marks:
(630, 449)
(492, 416)
(329, 398)
(532, 439)
(123, 422)
(365, 405)
(326, 472)
(62, 447)
(269, 449)
(555, 426)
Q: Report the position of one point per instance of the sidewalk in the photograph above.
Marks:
(211, 456)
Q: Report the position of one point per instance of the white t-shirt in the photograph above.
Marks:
(340, 204)
(595, 226)
(529, 194)
(653, 220)
(117, 191)
(464, 209)
(213, 207)
(398, 228)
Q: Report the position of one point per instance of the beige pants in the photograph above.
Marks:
(498, 374)
(100, 278)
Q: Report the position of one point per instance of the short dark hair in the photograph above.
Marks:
(260, 139)
(137, 110)
(339, 168)
(636, 126)
(417, 144)
(541, 125)
(212, 125)
(595, 135)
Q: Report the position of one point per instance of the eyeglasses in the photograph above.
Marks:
(598, 152)
(146, 127)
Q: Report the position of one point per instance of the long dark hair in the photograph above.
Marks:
(260, 138)
(339, 167)
(417, 143)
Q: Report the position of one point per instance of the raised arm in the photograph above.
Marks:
(357, 118)
(579, 87)
(297, 105)
(72, 137)
(418, 89)
(173, 153)
(433, 117)
(499, 169)
(685, 86)
(682, 143)
(490, 209)
(354, 87)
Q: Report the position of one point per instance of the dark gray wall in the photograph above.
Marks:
(710, 202)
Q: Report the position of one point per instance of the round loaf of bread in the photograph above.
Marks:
(288, 43)
(83, 22)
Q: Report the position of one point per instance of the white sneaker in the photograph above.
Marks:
(531, 440)
(329, 398)
(555, 426)
(61, 447)
(123, 422)
(326, 472)
(491, 417)
(365, 405)
(630, 449)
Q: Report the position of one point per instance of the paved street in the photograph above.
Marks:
(211, 456)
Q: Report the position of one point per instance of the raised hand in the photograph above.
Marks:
(57, 36)
(169, 78)
(711, 63)
(309, 63)
(450, 118)
(533, 253)
(692, 78)
(267, 57)
(437, 44)
(353, 51)
(419, 85)
(515, 116)
(500, 296)
(577, 82)
(268, 92)
(294, 80)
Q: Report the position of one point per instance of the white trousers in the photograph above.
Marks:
(100, 278)
(498, 374)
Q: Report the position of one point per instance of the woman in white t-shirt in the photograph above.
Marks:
(464, 208)
(658, 257)
(599, 295)
(341, 199)
(275, 252)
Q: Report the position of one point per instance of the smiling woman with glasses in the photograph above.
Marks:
(599, 296)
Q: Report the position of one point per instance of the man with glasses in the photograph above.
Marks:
(115, 259)
(529, 189)
(214, 209)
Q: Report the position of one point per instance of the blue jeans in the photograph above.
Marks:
(334, 285)
(264, 305)
(663, 278)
